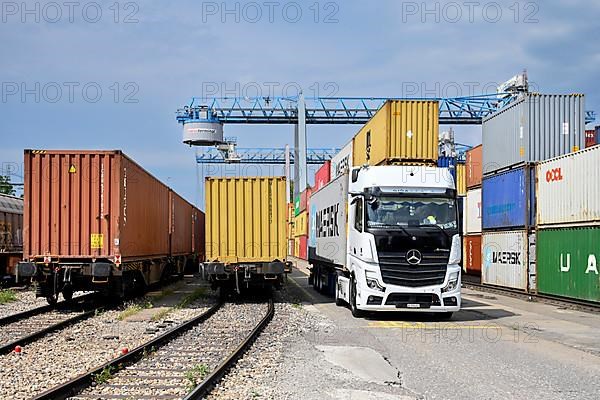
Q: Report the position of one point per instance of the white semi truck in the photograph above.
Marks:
(387, 238)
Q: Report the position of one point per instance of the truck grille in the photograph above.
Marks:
(395, 270)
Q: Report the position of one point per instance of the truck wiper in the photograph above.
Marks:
(383, 225)
(441, 229)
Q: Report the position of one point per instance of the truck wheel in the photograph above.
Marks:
(338, 299)
(356, 313)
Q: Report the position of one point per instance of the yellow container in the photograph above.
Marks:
(301, 224)
(402, 130)
(245, 219)
(297, 247)
(461, 179)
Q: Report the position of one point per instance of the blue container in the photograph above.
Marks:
(508, 199)
(448, 162)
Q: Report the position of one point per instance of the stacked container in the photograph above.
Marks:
(568, 217)
(590, 138)
(472, 225)
(401, 131)
(533, 128)
(290, 228)
(322, 175)
(301, 225)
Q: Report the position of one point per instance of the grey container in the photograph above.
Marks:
(534, 128)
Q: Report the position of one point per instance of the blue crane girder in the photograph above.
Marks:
(335, 110)
(267, 155)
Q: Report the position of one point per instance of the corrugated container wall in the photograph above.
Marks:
(504, 259)
(507, 198)
(342, 161)
(402, 130)
(536, 127)
(304, 199)
(472, 255)
(590, 138)
(448, 162)
(93, 204)
(322, 175)
(568, 262)
(245, 219)
(11, 224)
(199, 226)
(301, 224)
(474, 166)
(473, 211)
(568, 189)
(182, 225)
(461, 181)
(297, 205)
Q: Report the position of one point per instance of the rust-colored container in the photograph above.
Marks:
(322, 175)
(198, 240)
(590, 138)
(472, 254)
(97, 205)
(185, 232)
(474, 166)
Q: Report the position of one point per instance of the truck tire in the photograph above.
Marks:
(338, 301)
(444, 316)
(356, 313)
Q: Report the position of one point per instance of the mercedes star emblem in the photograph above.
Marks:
(413, 257)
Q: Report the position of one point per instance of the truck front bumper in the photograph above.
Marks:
(415, 299)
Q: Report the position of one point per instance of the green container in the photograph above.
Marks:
(567, 262)
(297, 205)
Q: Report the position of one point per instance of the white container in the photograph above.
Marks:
(473, 211)
(342, 161)
(568, 189)
(505, 259)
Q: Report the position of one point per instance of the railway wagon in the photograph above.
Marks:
(246, 238)
(11, 235)
(97, 221)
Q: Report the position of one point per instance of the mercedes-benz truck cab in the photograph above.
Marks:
(389, 236)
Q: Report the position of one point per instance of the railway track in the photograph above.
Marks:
(43, 309)
(185, 362)
(25, 327)
(474, 283)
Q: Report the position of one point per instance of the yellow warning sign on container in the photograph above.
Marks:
(96, 241)
(72, 169)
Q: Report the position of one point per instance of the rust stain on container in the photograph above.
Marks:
(98, 204)
(402, 130)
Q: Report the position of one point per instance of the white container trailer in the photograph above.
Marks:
(473, 211)
(342, 161)
(386, 238)
(505, 259)
(568, 189)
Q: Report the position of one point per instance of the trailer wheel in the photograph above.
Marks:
(52, 299)
(356, 313)
(67, 293)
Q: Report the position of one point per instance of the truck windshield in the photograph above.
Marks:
(405, 211)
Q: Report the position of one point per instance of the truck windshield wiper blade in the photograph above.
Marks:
(383, 225)
(441, 229)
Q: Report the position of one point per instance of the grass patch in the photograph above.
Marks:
(7, 296)
(196, 375)
(297, 306)
(190, 298)
(161, 314)
(163, 294)
(104, 376)
(133, 309)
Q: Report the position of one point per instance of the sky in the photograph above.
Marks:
(110, 75)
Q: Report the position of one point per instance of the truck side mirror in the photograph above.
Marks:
(355, 174)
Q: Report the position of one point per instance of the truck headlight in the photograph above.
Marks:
(455, 250)
(372, 281)
(452, 282)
